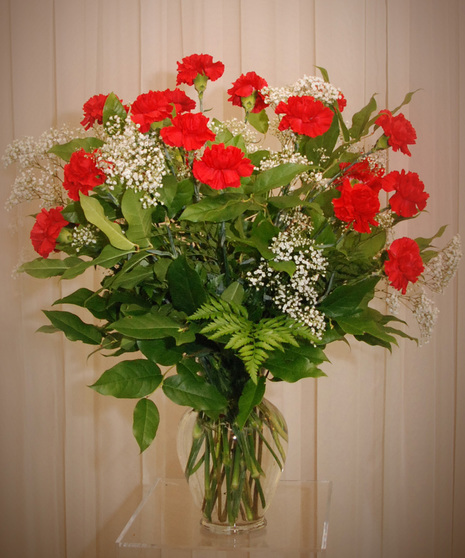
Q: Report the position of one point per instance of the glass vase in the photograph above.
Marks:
(233, 472)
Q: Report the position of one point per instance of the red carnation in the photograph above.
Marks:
(151, 107)
(93, 110)
(358, 204)
(196, 64)
(305, 116)
(410, 196)
(81, 174)
(222, 167)
(46, 229)
(362, 171)
(245, 92)
(398, 130)
(181, 102)
(404, 263)
(188, 130)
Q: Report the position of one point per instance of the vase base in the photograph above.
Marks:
(226, 529)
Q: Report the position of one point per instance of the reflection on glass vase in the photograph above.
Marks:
(233, 472)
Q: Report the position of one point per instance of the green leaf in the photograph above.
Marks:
(288, 267)
(193, 392)
(360, 119)
(234, 293)
(131, 276)
(292, 366)
(113, 107)
(78, 298)
(108, 257)
(138, 218)
(346, 299)
(186, 289)
(214, 209)
(259, 121)
(252, 394)
(129, 379)
(160, 351)
(324, 73)
(362, 324)
(406, 101)
(154, 325)
(42, 268)
(145, 423)
(276, 177)
(73, 327)
(95, 214)
(425, 243)
(65, 150)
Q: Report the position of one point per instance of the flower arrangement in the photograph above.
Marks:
(227, 262)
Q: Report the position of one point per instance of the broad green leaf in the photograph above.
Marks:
(135, 275)
(78, 298)
(290, 366)
(145, 423)
(365, 245)
(276, 177)
(108, 257)
(154, 325)
(346, 299)
(186, 289)
(192, 392)
(138, 218)
(129, 379)
(285, 202)
(234, 293)
(283, 266)
(215, 209)
(361, 324)
(361, 119)
(42, 268)
(65, 150)
(95, 214)
(252, 394)
(113, 107)
(176, 195)
(160, 351)
(73, 327)
(259, 121)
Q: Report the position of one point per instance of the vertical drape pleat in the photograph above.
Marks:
(388, 429)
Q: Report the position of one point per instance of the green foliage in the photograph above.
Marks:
(252, 341)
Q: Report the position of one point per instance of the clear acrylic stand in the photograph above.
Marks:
(166, 524)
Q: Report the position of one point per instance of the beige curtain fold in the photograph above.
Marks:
(388, 429)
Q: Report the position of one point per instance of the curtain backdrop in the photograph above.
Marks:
(387, 429)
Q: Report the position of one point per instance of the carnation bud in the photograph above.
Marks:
(65, 236)
(249, 102)
(200, 83)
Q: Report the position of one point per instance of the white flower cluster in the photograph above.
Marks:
(39, 173)
(313, 86)
(237, 127)
(426, 314)
(295, 295)
(441, 269)
(84, 235)
(134, 160)
(287, 155)
(423, 308)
